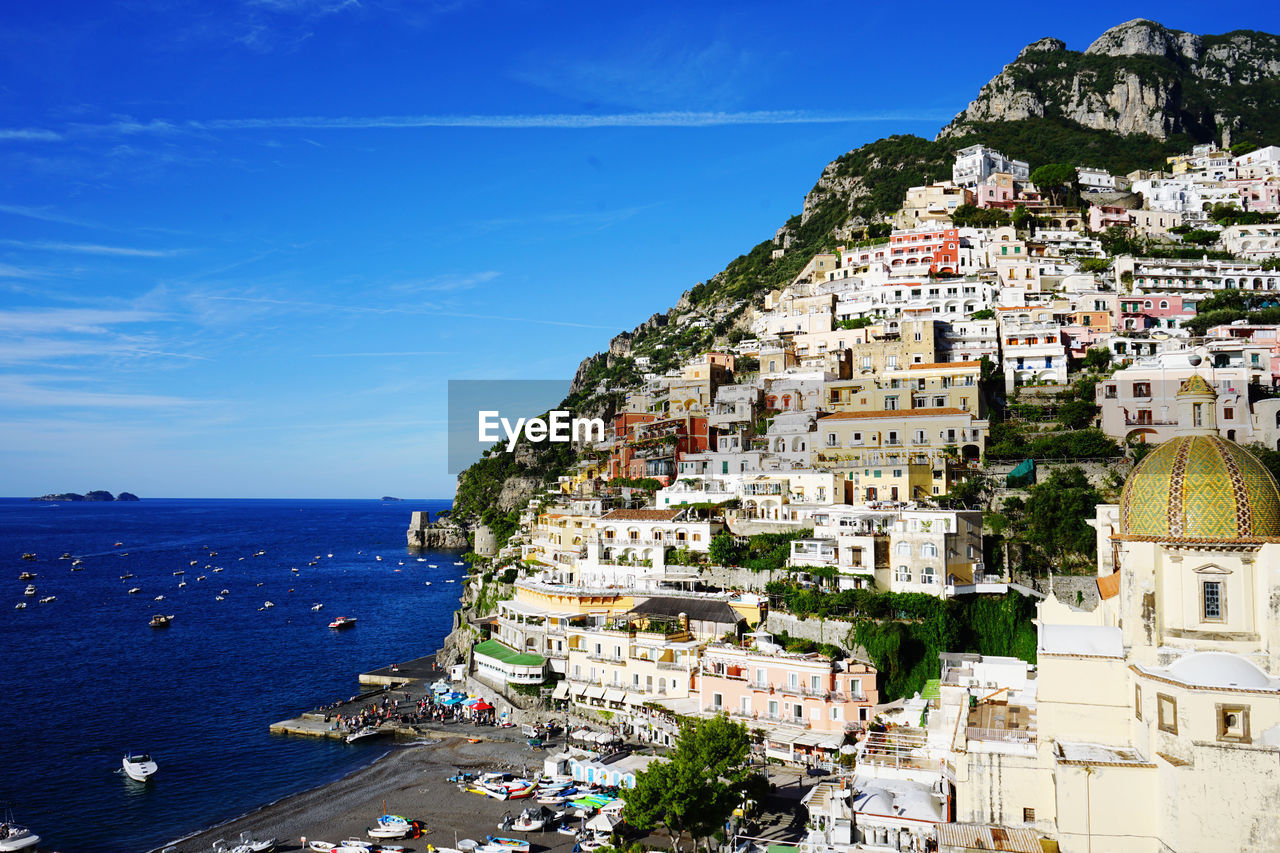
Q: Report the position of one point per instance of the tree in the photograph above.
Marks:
(983, 314)
(1054, 178)
(696, 791)
(1097, 358)
(1056, 514)
(724, 550)
(1077, 414)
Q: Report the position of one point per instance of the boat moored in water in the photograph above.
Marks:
(138, 766)
(343, 622)
(14, 836)
(161, 621)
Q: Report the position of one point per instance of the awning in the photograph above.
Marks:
(614, 696)
(635, 699)
(807, 739)
(595, 693)
(561, 691)
(831, 741)
(578, 689)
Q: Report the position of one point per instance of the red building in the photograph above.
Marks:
(654, 448)
(937, 247)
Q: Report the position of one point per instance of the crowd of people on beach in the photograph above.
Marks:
(404, 709)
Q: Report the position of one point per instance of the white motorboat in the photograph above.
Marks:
(385, 831)
(268, 604)
(366, 732)
(159, 598)
(379, 559)
(48, 598)
(219, 598)
(21, 605)
(249, 844)
(459, 563)
(343, 622)
(317, 606)
(138, 766)
(14, 836)
(135, 590)
(530, 820)
(30, 590)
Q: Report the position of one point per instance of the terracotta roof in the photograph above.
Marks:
(642, 515)
(894, 413)
(1109, 587)
(946, 364)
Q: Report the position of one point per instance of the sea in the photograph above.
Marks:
(85, 679)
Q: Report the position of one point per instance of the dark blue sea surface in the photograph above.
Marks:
(85, 679)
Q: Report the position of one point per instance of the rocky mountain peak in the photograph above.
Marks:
(1044, 45)
(1141, 37)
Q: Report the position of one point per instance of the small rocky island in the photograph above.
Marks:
(96, 495)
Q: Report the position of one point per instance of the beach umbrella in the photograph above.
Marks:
(482, 706)
(603, 822)
(470, 702)
(605, 737)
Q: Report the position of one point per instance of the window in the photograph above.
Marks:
(1137, 701)
(815, 683)
(1167, 713)
(717, 701)
(902, 549)
(902, 575)
(773, 708)
(928, 575)
(832, 440)
(928, 549)
(1233, 723)
(1028, 815)
(1228, 413)
(1211, 603)
(1142, 389)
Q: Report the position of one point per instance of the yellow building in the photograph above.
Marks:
(1159, 712)
(937, 385)
(900, 455)
(885, 349)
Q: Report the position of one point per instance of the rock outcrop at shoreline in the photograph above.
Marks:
(444, 533)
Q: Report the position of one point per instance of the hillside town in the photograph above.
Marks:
(870, 432)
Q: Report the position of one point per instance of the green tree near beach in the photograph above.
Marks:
(697, 789)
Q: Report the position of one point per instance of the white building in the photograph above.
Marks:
(976, 163)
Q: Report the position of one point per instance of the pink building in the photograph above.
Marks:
(806, 702)
(1260, 195)
(1102, 217)
(1154, 311)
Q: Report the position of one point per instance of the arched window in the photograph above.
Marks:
(902, 549)
(928, 549)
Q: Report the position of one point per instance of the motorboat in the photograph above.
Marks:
(138, 766)
(531, 820)
(382, 831)
(135, 590)
(219, 598)
(459, 563)
(159, 597)
(21, 605)
(422, 559)
(48, 598)
(30, 590)
(249, 844)
(268, 604)
(66, 555)
(126, 576)
(76, 563)
(343, 622)
(27, 576)
(432, 566)
(317, 606)
(14, 836)
(31, 557)
(161, 621)
(181, 585)
(365, 733)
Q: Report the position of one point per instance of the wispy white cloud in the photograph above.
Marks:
(30, 134)
(425, 310)
(447, 282)
(93, 249)
(10, 271)
(44, 214)
(553, 121)
(379, 354)
(50, 392)
(72, 320)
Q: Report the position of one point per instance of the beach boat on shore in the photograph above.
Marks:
(249, 844)
(138, 766)
(365, 733)
(320, 846)
(14, 836)
(381, 831)
(343, 622)
(498, 844)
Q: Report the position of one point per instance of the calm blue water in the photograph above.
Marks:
(84, 679)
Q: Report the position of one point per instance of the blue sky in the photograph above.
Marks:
(243, 245)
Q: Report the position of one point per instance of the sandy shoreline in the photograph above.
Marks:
(410, 780)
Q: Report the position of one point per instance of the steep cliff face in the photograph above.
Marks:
(1141, 78)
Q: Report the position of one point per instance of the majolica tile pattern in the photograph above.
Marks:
(1200, 487)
